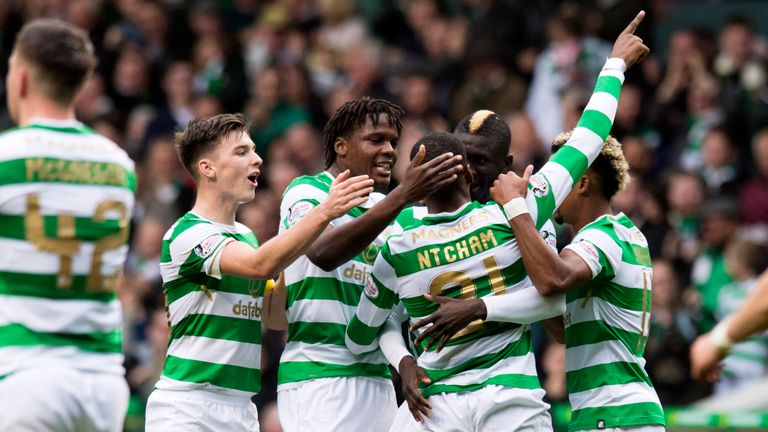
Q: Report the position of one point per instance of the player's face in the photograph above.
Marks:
(237, 167)
(484, 165)
(371, 151)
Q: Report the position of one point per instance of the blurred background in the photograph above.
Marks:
(693, 120)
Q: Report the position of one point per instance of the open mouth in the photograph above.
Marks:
(383, 168)
(252, 178)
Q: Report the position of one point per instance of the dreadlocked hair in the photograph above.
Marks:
(352, 115)
(610, 165)
(488, 125)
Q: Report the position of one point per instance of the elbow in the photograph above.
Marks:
(550, 287)
(355, 348)
(320, 261)
(266, 270)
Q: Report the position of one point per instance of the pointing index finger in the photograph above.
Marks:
(635, 22)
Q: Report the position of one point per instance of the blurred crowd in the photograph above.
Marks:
(693, 122)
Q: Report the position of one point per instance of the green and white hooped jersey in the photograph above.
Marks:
(469, 253)
(319, 304)
(606, 328)
(66, 198)
(454, 255)
(215, 319)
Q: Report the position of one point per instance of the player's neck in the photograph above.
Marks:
(591, 210)
(214, 206)
(444, 203)
(44, 108)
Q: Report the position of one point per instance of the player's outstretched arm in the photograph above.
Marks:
(551, 184)
(273, 256)
(340, 244)
(550, 273)
(524, 306)
(710, 348)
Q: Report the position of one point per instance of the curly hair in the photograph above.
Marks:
(353, 115)
(610, 165)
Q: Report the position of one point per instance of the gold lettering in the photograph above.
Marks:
(486, 237)
(96, 282)
(424, 261)
(448, 252)
(34, 168)
(474, 245)
(461, 248)
(66, 248)
(416, 235)
(436, 255)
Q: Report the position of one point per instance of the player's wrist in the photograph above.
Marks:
(720, 338)
(515, 207)
(615, 64)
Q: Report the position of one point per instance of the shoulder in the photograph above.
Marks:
(320, 182)
(190, 231)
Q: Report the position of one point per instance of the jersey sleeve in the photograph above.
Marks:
(377, 302)
(199, 251)
(548, 234)
(598, 250)
(297, 202)
(550, 185)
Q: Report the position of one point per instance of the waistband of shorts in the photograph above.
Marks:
(206, 396)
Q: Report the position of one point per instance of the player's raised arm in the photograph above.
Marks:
(276, 254)
(551, 184)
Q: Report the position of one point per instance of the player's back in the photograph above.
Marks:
(66, 197)
(469, 253)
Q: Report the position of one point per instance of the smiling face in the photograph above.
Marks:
(233, 166)
(370, 150)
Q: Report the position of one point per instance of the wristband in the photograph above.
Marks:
(720, 337)
(616, 63)
(515, 207)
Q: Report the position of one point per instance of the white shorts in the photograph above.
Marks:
(343, 404)
(491, 408)
(62, 399)
(199, 411)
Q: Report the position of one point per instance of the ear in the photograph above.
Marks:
(508, 159)
(23, 82)
(584, 185)
(207, 169)
(469, 174)
(340, 146)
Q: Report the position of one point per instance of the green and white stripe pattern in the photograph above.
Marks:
(320, 304)
(550, 185)
(66, 197)
(606, 328)
(215, 320)
(746, 360)
(494, 353)
(464, 254)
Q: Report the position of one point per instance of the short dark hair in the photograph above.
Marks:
(437, 143)
(61, 55)
(202, 135)
(490, 126)
(352, 115)
(610, 166)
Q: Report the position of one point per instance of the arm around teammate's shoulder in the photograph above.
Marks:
(278, 253)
